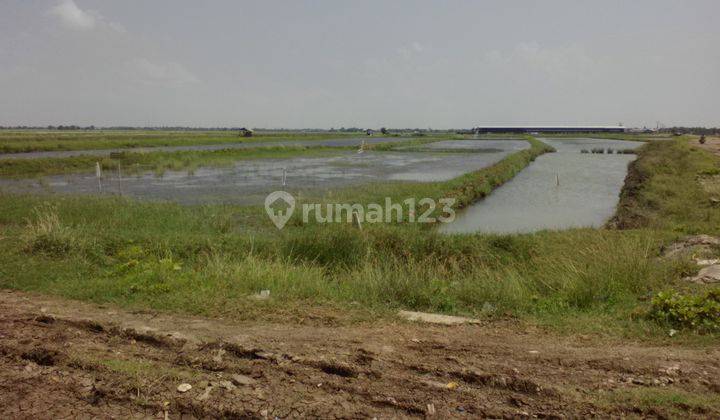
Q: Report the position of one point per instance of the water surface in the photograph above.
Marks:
(557, 191)
(249, 181)
(487, 146)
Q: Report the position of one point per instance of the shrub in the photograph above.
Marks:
(149, 276)
(698, 312)
(46, 235)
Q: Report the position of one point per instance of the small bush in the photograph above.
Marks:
(45, 234)
(151, 276)
(700, 312)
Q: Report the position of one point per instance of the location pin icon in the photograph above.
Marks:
(279, 206)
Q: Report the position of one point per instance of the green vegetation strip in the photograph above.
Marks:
(663, 190)
(133, 162)
(36, 140)
(160, 161)
(465, 189)
(18, 141)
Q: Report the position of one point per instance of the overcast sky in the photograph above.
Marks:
(365, 63)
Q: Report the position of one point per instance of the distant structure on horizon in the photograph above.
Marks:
(548, 129)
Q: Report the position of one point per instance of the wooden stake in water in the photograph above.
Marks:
(557, 180)
(98, 175)
(284, 176)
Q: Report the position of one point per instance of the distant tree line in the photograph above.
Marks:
(119, 128)
(680, 130)
(383, 130)
(692, 130)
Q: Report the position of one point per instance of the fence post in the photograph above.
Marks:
(98, 175)
(119, 179)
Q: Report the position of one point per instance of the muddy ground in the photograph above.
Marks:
(68, 359)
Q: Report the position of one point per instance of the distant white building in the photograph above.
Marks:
(549, 129)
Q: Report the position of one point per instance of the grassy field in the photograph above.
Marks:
(17, 141)
(210, 259)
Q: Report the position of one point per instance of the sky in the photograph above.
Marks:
(363, 63)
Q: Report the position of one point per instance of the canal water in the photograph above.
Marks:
(558, 190)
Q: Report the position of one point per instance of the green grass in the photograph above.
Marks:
(17, 141)
(209, 259)
(664, 190)
(40, 140)
(658, 402)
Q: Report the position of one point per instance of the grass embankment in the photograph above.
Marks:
(464, 189)
(17, 141)
(39, 140)
(663, 190)
(155, 161)
(209, 259)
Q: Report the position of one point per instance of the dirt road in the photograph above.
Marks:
(69, 359)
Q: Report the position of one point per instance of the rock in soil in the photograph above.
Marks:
(707, 275)
(691, 244)
(436, 318)
(240, 380)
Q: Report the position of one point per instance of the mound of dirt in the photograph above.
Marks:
(697, 246)
(628, 214)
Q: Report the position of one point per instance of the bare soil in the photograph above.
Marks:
(62, 358)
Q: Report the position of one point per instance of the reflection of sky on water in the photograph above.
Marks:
(587, 195)
(247, 182)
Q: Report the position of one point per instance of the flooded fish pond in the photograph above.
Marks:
(578, 186)
(249, 181)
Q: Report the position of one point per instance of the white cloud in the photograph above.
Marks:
(73, 17)
(408, 51)
(171, 74)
